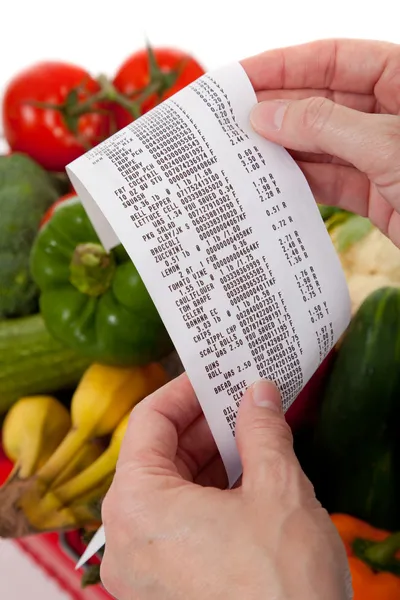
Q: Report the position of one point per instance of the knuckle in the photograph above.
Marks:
(393, 141)
(384, 165)
(317, 113)
(387, 88)
(137, 412)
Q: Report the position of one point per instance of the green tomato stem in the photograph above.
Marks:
(159, 83)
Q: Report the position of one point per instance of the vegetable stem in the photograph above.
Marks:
(382, 552)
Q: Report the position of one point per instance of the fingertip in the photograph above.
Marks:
(265, 394)
(268, 115)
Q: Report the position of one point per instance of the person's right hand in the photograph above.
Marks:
(338, 115)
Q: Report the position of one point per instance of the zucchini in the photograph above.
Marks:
(32, 362)
(357, 435)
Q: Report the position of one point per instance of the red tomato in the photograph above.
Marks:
(41, 132)
(134, 75)
(49, 213)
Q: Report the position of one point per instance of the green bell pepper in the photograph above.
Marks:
(92, 300)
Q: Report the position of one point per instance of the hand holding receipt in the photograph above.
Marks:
(226, 235)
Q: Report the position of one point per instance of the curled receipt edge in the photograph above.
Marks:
(226, 235)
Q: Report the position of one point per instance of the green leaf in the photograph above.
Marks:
(91, 576)
(154, 69)
(336, 219)
(327, 211)
(86, 536)
(351, 231)
(71, 121)
(71, 99)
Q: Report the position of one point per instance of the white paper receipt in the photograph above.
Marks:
(227, 237)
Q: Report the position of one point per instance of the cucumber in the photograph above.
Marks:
(32, 362)
(357, 438)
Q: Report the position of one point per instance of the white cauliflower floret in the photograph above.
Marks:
(369, 264)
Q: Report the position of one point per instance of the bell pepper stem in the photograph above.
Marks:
(382, 552)
(92, 269)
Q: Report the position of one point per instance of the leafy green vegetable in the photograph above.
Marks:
(26, 191)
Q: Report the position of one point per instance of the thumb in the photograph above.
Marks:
(370, 142)
(262, 433)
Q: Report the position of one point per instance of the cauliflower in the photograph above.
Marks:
(369, 263)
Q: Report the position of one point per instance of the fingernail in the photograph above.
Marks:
(266, 394)
(268, 115)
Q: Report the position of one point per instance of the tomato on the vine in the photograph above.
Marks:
(152, 75)
(34, 125)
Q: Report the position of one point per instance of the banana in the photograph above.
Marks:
(85, 509)
(33, 428)
(83, 512)
(39, 517)
(92, 477)
(71, 500)
(103, 397)
(85, 457)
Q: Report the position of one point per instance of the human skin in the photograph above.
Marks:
(340, 121)
(173, 529)
(175, 532)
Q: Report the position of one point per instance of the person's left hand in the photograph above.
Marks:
(174, 533)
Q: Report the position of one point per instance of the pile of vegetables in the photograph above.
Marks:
(81, 341)
(64, 301)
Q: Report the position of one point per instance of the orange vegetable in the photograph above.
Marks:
(374, 558)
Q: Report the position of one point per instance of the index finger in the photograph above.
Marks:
(158, 421)
(342, 65)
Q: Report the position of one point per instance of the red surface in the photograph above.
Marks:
(48, 553)
(304, 409)
(5, 465)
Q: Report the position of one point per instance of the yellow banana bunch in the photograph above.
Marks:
(69, 468)
(90, 478)
(85, 457)
(76, 493)
(103, 397)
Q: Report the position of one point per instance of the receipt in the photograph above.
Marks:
(226, 235)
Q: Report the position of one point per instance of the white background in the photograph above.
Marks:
(99, 35)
